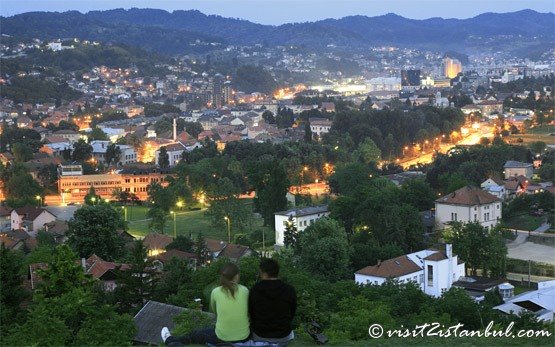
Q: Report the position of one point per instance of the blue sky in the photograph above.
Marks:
(286, 11)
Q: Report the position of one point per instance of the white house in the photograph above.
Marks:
(541, 302)
(30, 218)
(434, 271)
(320, 126)
(175, 152)
(495, 187)
(302, 217)
(468, 204)
(516, 168)
(127, 156)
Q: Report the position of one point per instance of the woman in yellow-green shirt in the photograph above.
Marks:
(229, 302)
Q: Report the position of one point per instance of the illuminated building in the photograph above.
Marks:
(451, 67)
(73, 186)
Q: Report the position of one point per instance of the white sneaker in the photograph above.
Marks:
(165, 333)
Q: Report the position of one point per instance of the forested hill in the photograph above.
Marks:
(173, 32)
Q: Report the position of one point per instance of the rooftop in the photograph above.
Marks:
(511, 164)
(395, 267)
(305, 211)
(468, 196)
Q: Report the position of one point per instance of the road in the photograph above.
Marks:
(471, 139)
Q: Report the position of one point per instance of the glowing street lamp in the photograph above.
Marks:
(228, 220)
(124, 213)
(174, 225)
(39, 199)
(179, 204)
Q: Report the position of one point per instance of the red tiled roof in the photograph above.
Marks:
(233, 251)
(157, 241)
(214, 245)
(468, 196)
(395, 267)
(175, 253)
(436, 256)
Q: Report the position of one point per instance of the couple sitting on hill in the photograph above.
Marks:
(270, 305)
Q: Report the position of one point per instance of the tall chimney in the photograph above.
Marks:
(174, 129)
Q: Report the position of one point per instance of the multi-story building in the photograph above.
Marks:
(433, 270)
(515, 168)
(73, 186)
(451, 67)
(301, 217)
(320, 126)
(466, 205)
(127, 156)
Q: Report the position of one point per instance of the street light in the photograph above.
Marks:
(124, 213)
(39, 199)
(179, 204)
(228, 220)
(93, 200)
(174, 229)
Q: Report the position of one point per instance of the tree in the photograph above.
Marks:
(163, 157)
(290, 233)
(307, 132)
(22, 152)
(92, 198)
(82, 151)
(97, 134)
(367, 152)
(12, 292)
(272, 185)
(201, 250)
(113, 154)
(418, 193)
(193, 129)
(323, 249)
(538, 147)
(225, 202)
(268, 116)
(181, 243)
(479, 248)
(20, 186)
(94, 230)
(63, 274)
(135, 285)
(176, 273)
(158, 219)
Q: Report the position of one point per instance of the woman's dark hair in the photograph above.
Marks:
(228, 272)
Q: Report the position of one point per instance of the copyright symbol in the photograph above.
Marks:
(375, 331)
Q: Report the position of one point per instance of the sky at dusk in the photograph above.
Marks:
(286, 11)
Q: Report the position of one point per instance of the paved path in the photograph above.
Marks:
(521, 249)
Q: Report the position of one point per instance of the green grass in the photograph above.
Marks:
(536, 134)
(523, 222)
(189, 222)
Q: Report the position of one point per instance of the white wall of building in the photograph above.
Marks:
(488, 215)
(301, 222)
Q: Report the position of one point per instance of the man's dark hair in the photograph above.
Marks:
(270, 267)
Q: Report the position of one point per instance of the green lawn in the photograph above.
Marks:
(536, 134)
(189, 222)
(523, 222)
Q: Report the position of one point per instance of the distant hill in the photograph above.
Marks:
(172, 32)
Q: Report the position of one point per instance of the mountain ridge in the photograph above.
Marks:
(528, 27)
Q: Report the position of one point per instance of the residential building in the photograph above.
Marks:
(30, 218)
(319, 126)
(127, 156)
(495, 187)
(156, 243)
(434, 271)
(301, 217)
(540, 302)
(468, 204)
(451, 67)
(73, 186)
(515, 168)
(477, 286)
(175, 153)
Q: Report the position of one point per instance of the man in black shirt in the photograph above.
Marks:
(272, 305)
